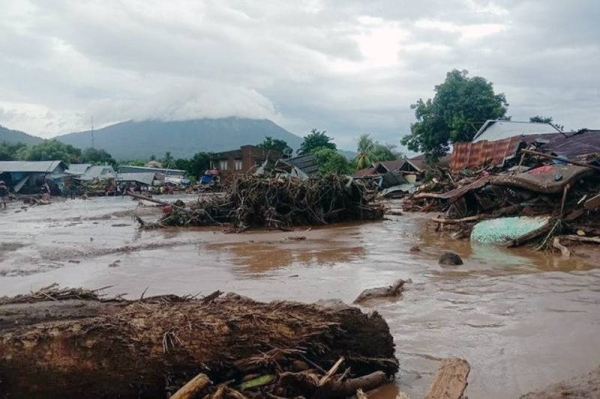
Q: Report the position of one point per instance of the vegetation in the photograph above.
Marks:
(276, 145)
(316, 140)
(331, 161)
(370, 151)
(545, 119)
(460, 106)
(97, 157)
(194, 167)
(50, 150)
(9, 151)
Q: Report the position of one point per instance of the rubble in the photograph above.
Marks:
(551, 183)
(279, 203)
(74, 343)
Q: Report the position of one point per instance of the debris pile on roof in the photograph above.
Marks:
(278, 203)
(540, 186)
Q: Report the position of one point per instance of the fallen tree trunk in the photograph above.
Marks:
(55, 345)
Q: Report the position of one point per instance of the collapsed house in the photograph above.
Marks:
(534, 185)
(302, 166)
(247, 158)
(27, 177)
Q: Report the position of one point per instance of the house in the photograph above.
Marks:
(302, 166)
(144, 179)
(390, 173)
(88, 172)
(28, 177)
(493, 130)
(247, 158)
(144, 169)
(572, 145)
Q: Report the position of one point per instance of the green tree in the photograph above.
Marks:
(136, 162)
(50, 150)
(10, 151)
(331, 161)
(545, 119)
(198, 164)
(282, 146)
(460, 106)
(167, 160)
(370, 151)
(97, 157)
(316, 140)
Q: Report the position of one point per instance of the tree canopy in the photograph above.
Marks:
(316, 140)
(282, 146)
(331, 161)
(545, 119)
(50, 150)
(459, 108)
(10, 151)
(97, 157)
(370, 151)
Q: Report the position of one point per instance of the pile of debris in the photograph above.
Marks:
(278, 203)
(531, 195)
(72, 343)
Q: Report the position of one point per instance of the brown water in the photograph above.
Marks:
(522, 319)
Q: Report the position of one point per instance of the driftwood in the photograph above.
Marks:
(391, 291)
(55, 345)
(450, 380)
(277, 203)
(558, 240)
(193, 387)
(458, 221)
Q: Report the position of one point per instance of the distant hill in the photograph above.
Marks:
(16, 136)
(139, 140)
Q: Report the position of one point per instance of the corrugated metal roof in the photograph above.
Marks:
(78, 168)
(393, 165)
(142, 169)
(499, 130)
(100, 171)
(571, 145)
(144, 178)
(31, 167)
(306, 163)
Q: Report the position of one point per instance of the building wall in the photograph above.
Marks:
(250, 157)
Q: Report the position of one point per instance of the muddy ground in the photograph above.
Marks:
(523, 319)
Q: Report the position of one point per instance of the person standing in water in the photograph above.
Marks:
(3, 193)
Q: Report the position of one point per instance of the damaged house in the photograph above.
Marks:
(241, 161)
(27, 177)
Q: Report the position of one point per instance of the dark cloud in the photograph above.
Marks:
(346, 66)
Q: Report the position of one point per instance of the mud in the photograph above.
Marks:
(523, 319)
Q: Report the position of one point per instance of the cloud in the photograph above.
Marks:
(345, 66)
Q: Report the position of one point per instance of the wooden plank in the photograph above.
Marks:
(450, 380)
(592, 203)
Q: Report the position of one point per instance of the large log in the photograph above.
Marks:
(56, 346)
(450, 380)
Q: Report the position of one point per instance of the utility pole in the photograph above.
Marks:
(93, 143)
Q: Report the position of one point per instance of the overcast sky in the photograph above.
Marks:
(345, 66)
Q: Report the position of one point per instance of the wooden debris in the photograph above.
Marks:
(393, 291)
(192, 388)
(450, 381)
(157, 343)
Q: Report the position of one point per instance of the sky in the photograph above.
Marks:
(344, 66)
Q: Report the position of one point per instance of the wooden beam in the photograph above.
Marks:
(450, 380)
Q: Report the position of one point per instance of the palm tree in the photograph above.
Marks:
(168, 159)
(365, 150)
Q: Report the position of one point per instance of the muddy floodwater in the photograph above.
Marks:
(522, 319)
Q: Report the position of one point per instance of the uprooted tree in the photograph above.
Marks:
(70, 343)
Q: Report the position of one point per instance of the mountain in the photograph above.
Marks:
(16, 136)
(139, 140)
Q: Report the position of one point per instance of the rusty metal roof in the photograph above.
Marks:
(571, 145)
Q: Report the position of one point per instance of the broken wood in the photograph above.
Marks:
(159, 343)
(331, 372)
(592, 203)
(564, 250)
(193, 387)
(458, 221)
(393, 290)
(541, 154)
(450, 381)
